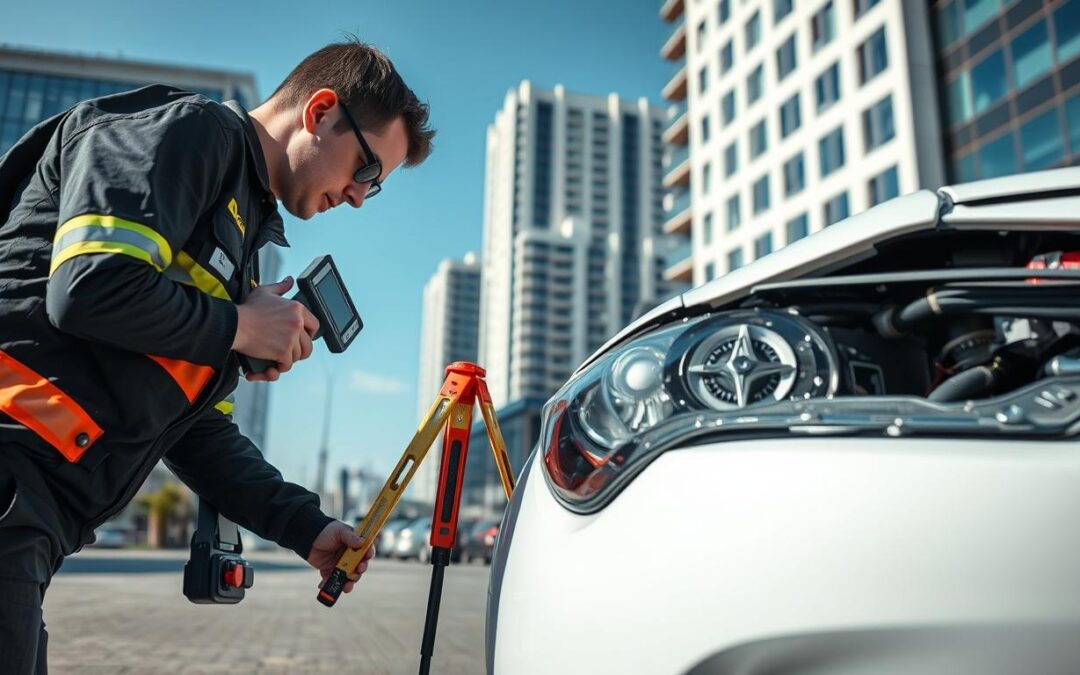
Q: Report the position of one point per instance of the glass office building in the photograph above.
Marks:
(1010, 80)
(35, 85)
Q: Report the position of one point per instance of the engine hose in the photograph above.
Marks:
(980, 301)
(964, 385)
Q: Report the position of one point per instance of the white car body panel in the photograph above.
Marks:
(846, 534)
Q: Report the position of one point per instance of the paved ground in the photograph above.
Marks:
(123, 612)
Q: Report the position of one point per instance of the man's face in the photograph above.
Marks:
(323, 161)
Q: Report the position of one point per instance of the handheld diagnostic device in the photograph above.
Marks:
(322, 291)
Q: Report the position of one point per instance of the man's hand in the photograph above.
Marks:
(328, 547)
(271, 327)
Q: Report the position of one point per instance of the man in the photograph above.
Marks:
(129, 227)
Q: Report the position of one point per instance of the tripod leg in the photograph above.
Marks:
(495, 437)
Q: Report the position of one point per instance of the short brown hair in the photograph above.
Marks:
(370, 87)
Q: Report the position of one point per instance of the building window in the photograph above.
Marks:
(963, 168)
(758, 140)
(1031, 54)
(727, 57)
(706, 177)
(794, 176)
(988, 83)
(785, 58)
(734, 259)
(836, 209)
(823, 27)
(1072, 121)
(978, 12)
(797, 228)
(1041, 141)
(703, 79)
(959, 95)
(827, 87)
(731, 159)
(878, 126)
(723, 12)
(790, 119)
(753, 31)
(706, 229)
(1067, 27)
(874, 56)
(884, 186)
(705, 129)
(734, 213)
(727, 107)
(831, 151)
(782, 8)
(755, 84)
(998, 158)
(761, 194)
(710, 271)
(701, 28)
(763, 246)
(860, 6)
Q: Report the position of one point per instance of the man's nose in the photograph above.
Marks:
(355, 195)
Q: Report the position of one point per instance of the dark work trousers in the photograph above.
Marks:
(28, 558)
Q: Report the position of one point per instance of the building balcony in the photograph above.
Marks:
(675, 47)
(678, 128)
(680, 264)
(675, 89)
(672, 9)
(677, 167)
(677, 213)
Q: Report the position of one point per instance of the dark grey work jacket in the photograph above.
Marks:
(129, 227)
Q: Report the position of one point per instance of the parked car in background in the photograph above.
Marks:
(414, 540)
(112, 535)
(464, 529)
(481, 541)
(864, 445)
(387, 539)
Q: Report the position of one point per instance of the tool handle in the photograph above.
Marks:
(251, 364)
(331, 589)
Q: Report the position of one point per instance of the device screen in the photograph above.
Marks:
(334, 298)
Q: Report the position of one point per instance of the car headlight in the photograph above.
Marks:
(648, 394)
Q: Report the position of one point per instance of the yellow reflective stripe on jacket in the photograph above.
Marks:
(186, 271)
(95, 233)
(225, 407)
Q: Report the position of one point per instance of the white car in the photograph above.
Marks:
(856, 455)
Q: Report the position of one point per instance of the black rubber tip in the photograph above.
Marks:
(332, 587)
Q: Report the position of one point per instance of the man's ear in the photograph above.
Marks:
(316, 108)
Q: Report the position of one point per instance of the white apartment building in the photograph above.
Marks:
(572, 247)
(448, 332)
(789, 116)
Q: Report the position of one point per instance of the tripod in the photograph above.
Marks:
(452, 409)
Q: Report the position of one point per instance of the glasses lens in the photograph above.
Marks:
(373, 189)
(368, 173)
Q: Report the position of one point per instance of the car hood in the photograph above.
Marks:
(1015, 202)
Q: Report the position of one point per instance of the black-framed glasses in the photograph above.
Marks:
(370, 172)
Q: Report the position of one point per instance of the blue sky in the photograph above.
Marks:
(461, 57)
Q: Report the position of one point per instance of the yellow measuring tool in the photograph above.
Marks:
(451, 410)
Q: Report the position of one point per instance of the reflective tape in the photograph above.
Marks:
(226, 407)
(39, 405)
(191, 378)
(185, 270)
(94, 233)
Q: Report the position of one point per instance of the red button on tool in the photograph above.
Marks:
(234, 575)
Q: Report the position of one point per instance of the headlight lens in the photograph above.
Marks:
(673, 381)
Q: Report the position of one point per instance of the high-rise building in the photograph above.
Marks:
(1010, 80)
(35, 85)
(448, 333)
(790, 116)
(572, 241)
(787, 117)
